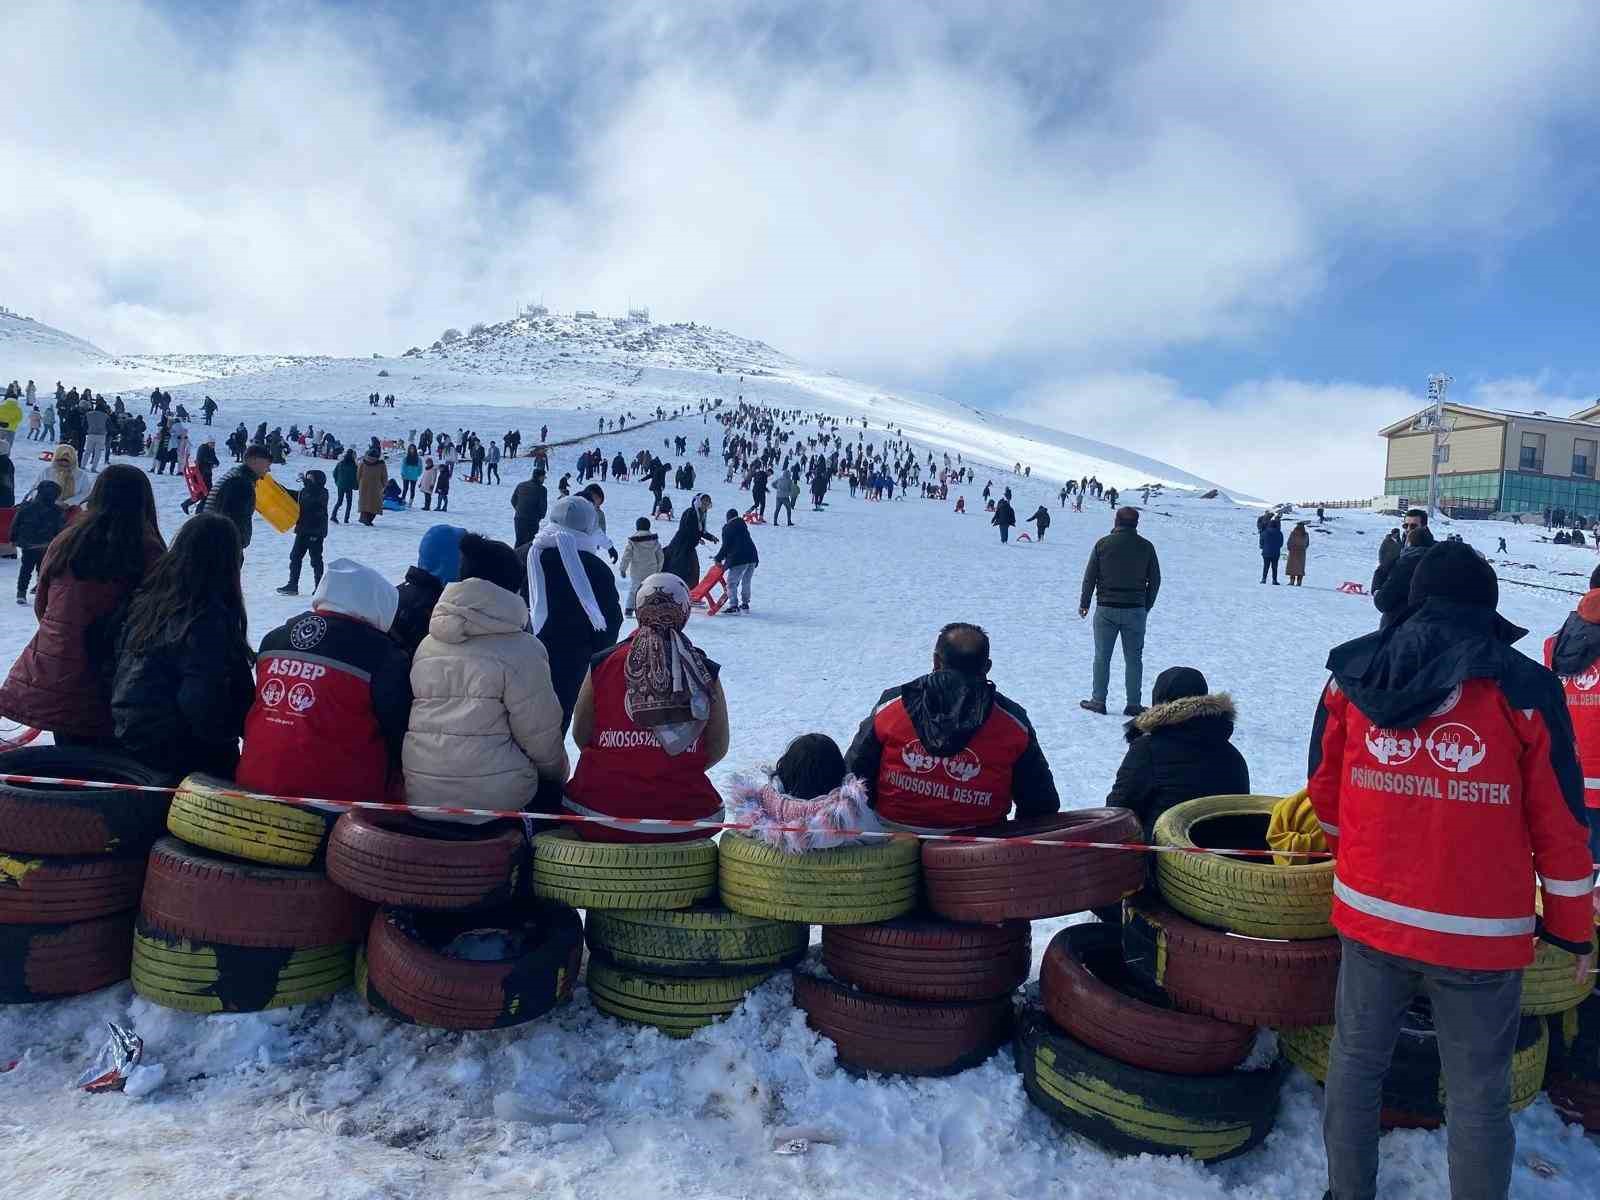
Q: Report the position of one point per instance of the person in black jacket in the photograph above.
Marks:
(1179, 749)
(576, 611)
(205, 462)
(184, 668)
(739, 559)
(1005, 517)
(33, 527)
(310, 530)
(1041, 520)
(531, 500)
(438, 564)
(1391, 594)
(683, 551)
(235, 497)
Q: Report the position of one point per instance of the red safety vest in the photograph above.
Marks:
(1583, 702)
(927, 792)
(624, 772)
(1438, 831)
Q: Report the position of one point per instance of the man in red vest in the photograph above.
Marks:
(948, 751)
(1443, 775)
(1574, 655)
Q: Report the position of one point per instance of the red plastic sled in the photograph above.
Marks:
(754, 518)
(1022, 537)
(701, 592)
(1350, 588)
(196, 482)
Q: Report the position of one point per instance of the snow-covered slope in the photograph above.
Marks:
(602, 364)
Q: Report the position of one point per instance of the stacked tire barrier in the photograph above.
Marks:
(931, 994)
(72, 866)
(458, 942)
(237, 913)
(1573, 1078)
(663, 951)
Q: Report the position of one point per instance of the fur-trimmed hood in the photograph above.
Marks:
(1217, 707)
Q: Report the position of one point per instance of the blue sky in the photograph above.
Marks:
(1187, 227)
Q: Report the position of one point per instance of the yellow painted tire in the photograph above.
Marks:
(1130, 1110)
(206, 977)
(623, 875)
(1549, 986)
(1413, 1088)
(1253, 897)
(701, 942)
(849, 885)
(675, 1006)
(207, 812)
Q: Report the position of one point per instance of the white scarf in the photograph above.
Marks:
(569, 544)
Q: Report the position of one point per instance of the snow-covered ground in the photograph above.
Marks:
(333, 1101)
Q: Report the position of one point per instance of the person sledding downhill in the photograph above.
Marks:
(947, 750)
(1443, 773)
(1574, 655)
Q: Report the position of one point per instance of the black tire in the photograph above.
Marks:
(406, 974)
(1133, 1111)
(703, 942)
(35, 890)
(47, 962)
(42, 819)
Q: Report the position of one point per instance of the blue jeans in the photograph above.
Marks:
(1109, 625)
(738, 580)
(1475, 1014)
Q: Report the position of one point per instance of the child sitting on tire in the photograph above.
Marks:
(807, 802)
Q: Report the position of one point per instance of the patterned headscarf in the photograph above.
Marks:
(668, 681)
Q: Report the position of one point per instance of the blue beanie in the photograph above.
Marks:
(439, 554)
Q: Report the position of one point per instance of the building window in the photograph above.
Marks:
(1583, 457)
(1444, 454)
(1532, 452)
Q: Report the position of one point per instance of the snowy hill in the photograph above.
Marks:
(603, 365)
(25, 341)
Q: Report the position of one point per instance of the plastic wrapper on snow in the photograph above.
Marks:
(117, 1058)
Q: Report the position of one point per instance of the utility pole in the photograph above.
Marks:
(1438, 385)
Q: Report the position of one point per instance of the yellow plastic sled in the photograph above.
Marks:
(276, 505)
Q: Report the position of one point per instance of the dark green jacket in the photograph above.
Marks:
(344, 475)
(1124, 570)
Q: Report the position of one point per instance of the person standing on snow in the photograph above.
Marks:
(682, 553)
(1299, 543)
(1438, 741)
(1392, 594)
(1004, 517)
(738, 556)
(1574, 655)
(310, 530)
(573, 596)
(345, 476)
(641, 558)
(1041, 520)
(371, 476)
(1123, 576)
(235, 497)
(1271, 542)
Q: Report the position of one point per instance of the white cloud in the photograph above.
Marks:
(1280, 439)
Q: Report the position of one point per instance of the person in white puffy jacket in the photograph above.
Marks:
(485, 729)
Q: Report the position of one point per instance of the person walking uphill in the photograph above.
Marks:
(371, 476)
(739, 558)
(1574, 655)
(1443, 773)
(1004, 517)
(1299, 542)
(952, 724)
(1271, 541)
(1041, 520)
(683, 551)
(1123, 576)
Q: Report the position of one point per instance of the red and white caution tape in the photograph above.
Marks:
(657, 824)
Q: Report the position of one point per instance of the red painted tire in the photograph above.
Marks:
(392, 858)
(202, 897)
(917, 958)
(406, 974)
(58, 891)
(1089, 992)
(985, 882)
(47, 962)
(39, 818)
(902, 1037)
(1249, 981)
